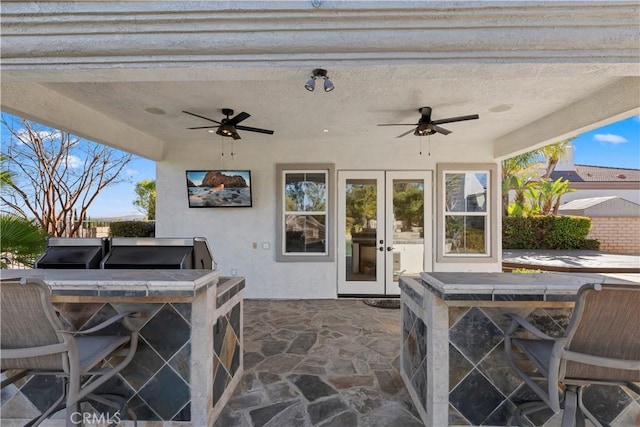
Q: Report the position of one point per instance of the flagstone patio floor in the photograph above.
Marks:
(329, 363)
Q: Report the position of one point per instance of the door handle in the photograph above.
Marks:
(381, 248)
(389, 248)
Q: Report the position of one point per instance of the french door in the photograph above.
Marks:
(384, 229)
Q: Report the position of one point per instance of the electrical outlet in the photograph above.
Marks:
(234, 272)
(254, 245)
(265, 245)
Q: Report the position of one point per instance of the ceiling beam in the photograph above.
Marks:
(614, 102)
(43, 105)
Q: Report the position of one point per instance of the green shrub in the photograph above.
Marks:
(590, 245)
(132, 229)
(547, 232)
(526, 270)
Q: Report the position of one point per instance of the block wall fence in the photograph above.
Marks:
(617, 234)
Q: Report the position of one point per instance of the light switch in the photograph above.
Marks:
(254, 245)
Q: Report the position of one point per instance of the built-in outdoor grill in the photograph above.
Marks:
(162, 253)
(81, 253)
(123, 252)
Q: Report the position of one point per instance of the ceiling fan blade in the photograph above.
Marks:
(406, 133)
(235, 135)
(202, 117)
(441, 130)
(399, 124)
(455, 119)
(204, 127)
(237, 119)
(270, 132)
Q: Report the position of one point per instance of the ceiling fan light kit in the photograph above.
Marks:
(322, 73)
(426, 126)
(228, 127)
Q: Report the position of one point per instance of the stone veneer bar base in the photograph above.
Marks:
(453, 361)
(189, 358)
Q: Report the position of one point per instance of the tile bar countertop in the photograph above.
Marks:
(515, 286)
(134, 283)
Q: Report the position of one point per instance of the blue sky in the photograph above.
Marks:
(616, 145)
(117, 200)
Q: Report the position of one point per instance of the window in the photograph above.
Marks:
(304, 201)
(466, 207)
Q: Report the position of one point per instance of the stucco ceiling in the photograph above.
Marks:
(364, 97)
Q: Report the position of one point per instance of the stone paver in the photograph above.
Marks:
(328, 363)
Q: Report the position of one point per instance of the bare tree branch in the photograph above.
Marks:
(55, 174)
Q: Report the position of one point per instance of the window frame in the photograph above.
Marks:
(491, 220)
(306, 168)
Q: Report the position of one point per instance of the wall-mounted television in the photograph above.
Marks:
(219, 188)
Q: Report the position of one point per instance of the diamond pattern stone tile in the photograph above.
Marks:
(459, 367)
(496, 368)
(234, 319)
(605, 402)
(180, 362)
(184, 310)
(106, 312)
(455, 419)
(166, 393)
(220, 379)
(542, 320)
(42, 390)
(475, 397)
(524, 394)
(144, 365)
(166, 332)
(501, 415)
(142, 410)
(77, 315)
(475, 335)
(19, 406)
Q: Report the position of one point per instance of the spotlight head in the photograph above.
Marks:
(311, 84)
(328, 86)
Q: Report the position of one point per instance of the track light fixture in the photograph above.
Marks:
(319, 72)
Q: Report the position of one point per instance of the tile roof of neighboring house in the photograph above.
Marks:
(586, 173)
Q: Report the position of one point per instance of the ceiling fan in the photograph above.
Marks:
(426, 126)
(229, 126)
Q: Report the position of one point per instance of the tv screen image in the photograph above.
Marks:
(219, 188)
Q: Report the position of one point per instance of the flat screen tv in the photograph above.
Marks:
(219, 188)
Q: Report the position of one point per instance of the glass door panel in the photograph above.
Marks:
(405, 226)
(361, 223)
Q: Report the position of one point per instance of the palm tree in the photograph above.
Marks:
(548, 193)
(22, 240)
(553, 153)
(510, 168)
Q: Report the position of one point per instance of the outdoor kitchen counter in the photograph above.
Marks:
(453, 360)
(189, 358)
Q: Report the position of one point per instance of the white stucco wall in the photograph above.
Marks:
(231, 232)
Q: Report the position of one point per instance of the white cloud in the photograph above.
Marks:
(74, 161)
(610, 138)
(132, 172)
(45, 135)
